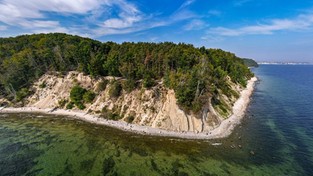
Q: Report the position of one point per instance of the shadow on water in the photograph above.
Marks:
(301, 154)
(16, 158)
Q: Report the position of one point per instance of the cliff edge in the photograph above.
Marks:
(155, 107)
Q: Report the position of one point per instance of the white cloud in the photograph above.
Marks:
(3, 28)
(101, 31)
(302, 22)
(94, 18)
(154, 39)
(127, 17)
(182, 15)
(212, 39)
(126, 7)
(186, 4)
(241, 2)
(214, 13)
(195, 25)
(33, 14)
(121, 23)
(13, 11)
(40, 24)
(132, 20)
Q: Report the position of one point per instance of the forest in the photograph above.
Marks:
(195, 74)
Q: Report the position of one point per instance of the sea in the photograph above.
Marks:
(274, 138)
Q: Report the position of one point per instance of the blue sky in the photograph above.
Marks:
(265, 30)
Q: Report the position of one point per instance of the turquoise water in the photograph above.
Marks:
(275, 138)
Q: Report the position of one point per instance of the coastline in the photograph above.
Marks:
(223, 130)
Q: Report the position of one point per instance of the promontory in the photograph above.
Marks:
(153, 88)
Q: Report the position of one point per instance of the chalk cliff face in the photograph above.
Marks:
(155, 107)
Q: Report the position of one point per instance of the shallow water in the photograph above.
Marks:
(275, 138)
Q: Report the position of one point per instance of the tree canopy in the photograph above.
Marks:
(192, 72)
(250, 62)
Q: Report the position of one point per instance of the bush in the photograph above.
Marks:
(76, 94)
(130, 119)
(129, 85)
(102, 85)
(113, 116)
(80, 106)
(89, 96)
(109, 114)
(116, 89)
(70, 105)
(197, 105)
(62, 103)
(43, 85)
(148, 82)
(79, 96)
(21, 94)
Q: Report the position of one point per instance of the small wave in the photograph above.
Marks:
(216, 144)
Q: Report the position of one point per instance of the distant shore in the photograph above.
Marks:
(224, 130)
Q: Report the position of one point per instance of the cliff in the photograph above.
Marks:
(155, 107)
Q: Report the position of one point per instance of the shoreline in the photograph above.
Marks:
(223, 130)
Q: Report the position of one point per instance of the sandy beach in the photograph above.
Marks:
(224, 130)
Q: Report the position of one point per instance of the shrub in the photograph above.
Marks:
(101, 85)
(70, 105)
(148, 82)
(89, 96)
(130, 119)
(21, 94)
(113, 116)
(109, 114)
(129, 85)
(76, 94)
(62, 103)
(116, 89)
(79, 96)
(197, 105)
(75, 81)
(80, 106)
(43, 85)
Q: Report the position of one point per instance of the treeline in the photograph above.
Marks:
(250, 62)
(194, 73)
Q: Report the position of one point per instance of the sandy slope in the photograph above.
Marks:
(225, 128)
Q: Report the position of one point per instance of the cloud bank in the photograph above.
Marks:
(92, 18)
(301, 22)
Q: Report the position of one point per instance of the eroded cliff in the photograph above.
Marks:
(156, 107)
